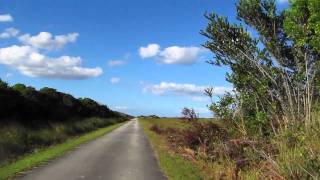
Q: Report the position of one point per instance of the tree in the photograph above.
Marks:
(189, 114)
(273, 76)
(35, 108)
(302, 23)
(3, 85)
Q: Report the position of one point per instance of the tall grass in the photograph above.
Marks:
(17, 140)
(290, 154)
(174, 166)
(46, 154)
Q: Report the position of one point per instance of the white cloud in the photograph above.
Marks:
(5, 18)
(149, 51)
(45, 40)
(8, 33)
(113, 63)
(180, 55)
(172, 54)
(30, 62)
(170, 88)
(114, 80)
(283, 1)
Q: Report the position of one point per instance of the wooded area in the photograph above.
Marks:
(26, 105)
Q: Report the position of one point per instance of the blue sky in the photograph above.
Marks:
(138, 57)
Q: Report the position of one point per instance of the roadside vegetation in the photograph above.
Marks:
(269, 126)
(43, 155)
(174, 165)
(33, 119)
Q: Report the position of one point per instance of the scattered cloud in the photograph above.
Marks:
(180, 55)
(113, 63)
(30, 62)
(172, 54)
(6, 18)
(149, 51)
(45, 40)
(283, 1)
(8, 33)
(170, 88)
(114, 80)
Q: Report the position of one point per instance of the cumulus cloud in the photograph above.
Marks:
(172, 54)
(29, 61)
(114, 80)
(179, 55)
(45, 40)
(8, 33)
(170, 88)
(149, 51)
(113, 63)
(6, 18)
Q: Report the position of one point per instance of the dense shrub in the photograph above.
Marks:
(155, 128)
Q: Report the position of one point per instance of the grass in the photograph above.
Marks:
(167, 122)
(290, 154)
(18, 140)
(44, 155)
(177, 167)
(174, 166)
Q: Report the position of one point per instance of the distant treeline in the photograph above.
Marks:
(25, 104)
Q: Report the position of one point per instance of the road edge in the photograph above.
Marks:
(46, 155)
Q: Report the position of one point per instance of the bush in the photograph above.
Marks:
(155, 128)
(203, 134)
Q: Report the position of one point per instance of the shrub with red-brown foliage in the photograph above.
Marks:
(203, 134)
(155, 128)
(210, 141)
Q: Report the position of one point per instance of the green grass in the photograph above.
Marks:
(174, 166)
(44, 155)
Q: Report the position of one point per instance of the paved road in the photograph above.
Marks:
(123, 154)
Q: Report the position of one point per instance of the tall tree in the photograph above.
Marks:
(274, 76)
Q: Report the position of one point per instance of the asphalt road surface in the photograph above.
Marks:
(123, 154)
